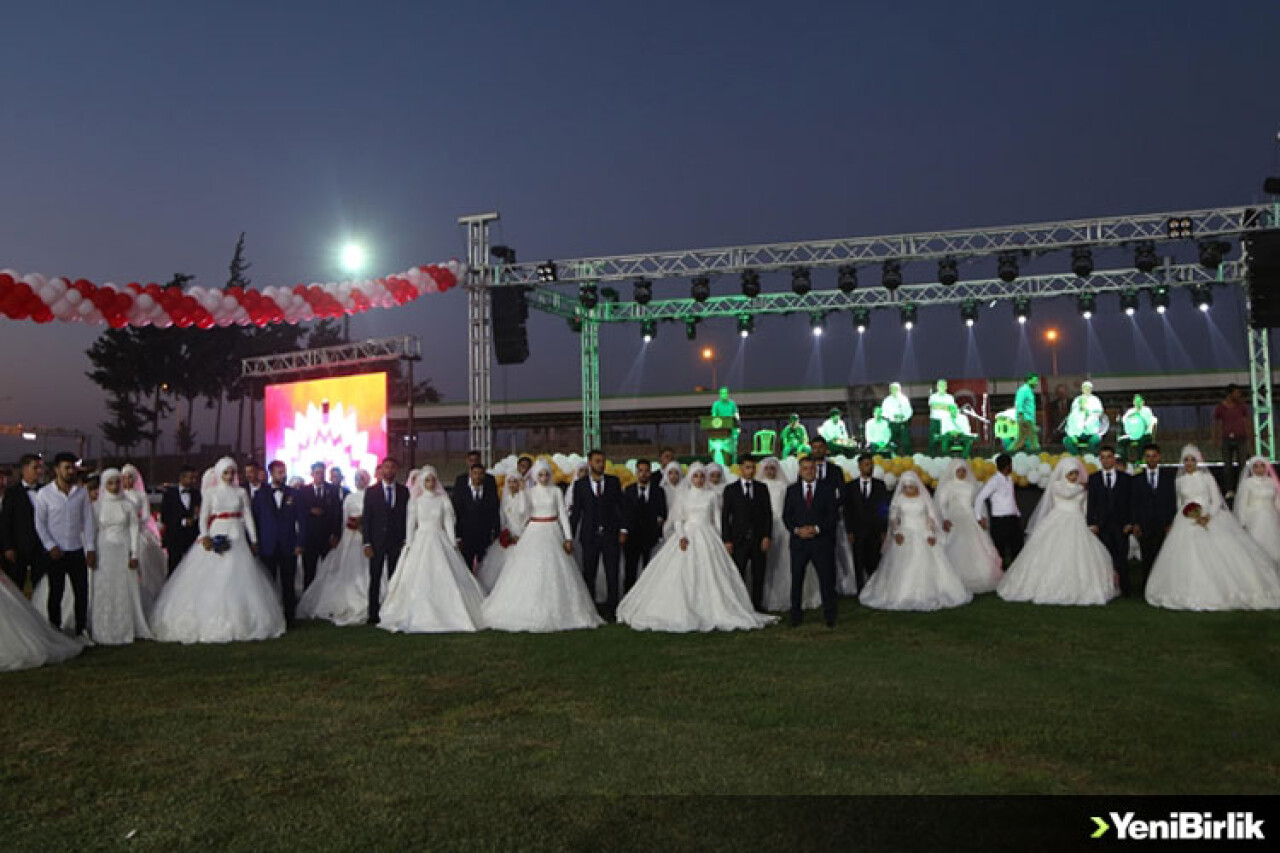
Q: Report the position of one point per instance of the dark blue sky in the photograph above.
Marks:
(140, 138)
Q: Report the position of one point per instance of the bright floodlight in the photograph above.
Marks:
(353, 257)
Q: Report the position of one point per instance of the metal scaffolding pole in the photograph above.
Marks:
(479, 333)
(590, 381)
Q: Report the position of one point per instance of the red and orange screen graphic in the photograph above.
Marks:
(340, 421)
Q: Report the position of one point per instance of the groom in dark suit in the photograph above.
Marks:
(810, 514)
(384, 520)
(746, 522)
(479, 520)
(596, 519)
(322, 506)
(180, 515)
(866, 518)
(281, 532)
(1155, 505)
(644, 509)
(24, 554)
(1110, 504)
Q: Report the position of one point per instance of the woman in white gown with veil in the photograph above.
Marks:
(914, 573)
(116, 617)
(692, 583)
(432, 592)
(515, 514)
(672, 476)
(970, 549)
(541, 588)
(27, 639)
(340, 592)
(1061, 562)
(153, 566)
(777, 573)
(1258, 505)
(1207, 561)
(219, 593)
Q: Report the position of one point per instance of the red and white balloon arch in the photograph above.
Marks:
(36, 297)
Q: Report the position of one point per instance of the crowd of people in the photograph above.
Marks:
(678, 550)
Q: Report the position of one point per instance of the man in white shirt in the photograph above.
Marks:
(1006, 521)
(66, 526)
(897, 410)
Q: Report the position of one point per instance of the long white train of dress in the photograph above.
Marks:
(26, 638)
(153, 565)
(972, 553)
(777, 577)
(219, 598)
(1259, 513)
(541, 588)
(914, 575)
(1215, 567)
(432, 591)
(698, 589)
(1062, 562)
(340, 591)
(116, 614)
(515, 515)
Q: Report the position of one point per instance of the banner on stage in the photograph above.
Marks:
(340, 421)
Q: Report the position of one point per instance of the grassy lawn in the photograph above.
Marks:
(356, 738)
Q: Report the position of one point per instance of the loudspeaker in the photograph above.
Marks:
(509, 310)
(1263, 278)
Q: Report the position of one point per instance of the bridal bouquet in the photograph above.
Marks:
(221, 544)
(1195, 512)
(353, 522)
(504, 538)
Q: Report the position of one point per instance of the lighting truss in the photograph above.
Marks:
(343, 355)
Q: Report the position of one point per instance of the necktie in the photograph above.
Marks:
(476, 494)
(747, 484)
(1151, 478)
(317, 491)
(808, 495)
(1108, 479)
(597, 487)
(391, 498)
(866, 490)
(644, 496)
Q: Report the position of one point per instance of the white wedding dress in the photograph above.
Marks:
(698, 589)
(219, 598)
(914, 575)
(340, 591)
(40, 601)
(1062, 562)
(777, 573)
(116, 614)
(153, 565)
(26, 638)
(432, 592)
(1258, 510)
(1215, 567)
(515, 514)
(972, 553)
(541, 587)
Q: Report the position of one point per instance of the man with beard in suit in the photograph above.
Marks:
(322, 505)
(180, 515)
(596, 520)
(1108, 508)
(866, 518)
(281, 531)
(644, 509)
(479, 519)
(23, 553)
(746, 522)
(386, 504)
(1155, 505)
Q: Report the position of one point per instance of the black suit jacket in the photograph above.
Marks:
(743, 521)
(833, 480)
(863, 516)
(280, 529)
(383, 527)
(1154, 510)
(172, 513)
(1110, 508)
(463, 481)
(824, 514)
(591, 514)
(643, 521)
(18, 524)
(478, 522)
(328, 522)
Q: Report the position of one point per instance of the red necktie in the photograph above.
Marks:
(808, 495)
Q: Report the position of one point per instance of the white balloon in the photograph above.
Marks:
(74, 297)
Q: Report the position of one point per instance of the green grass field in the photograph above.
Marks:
(318, 738)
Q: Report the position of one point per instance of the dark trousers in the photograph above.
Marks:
(177, 547)
(381, 556)
(473, 553)
(1232, 459)
(593, 548)
(822, 554)
(748, 556)
(24, 568)
(866, 555)
(1151, 541)
(284, 568)
(1116, 541)
(72, 565)
(310, 559)
(636, 556)
(1006, 534)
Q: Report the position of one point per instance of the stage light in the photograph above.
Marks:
(1082, 261)
(800, 281)
(700, 289)
(1086, 302)
(746, 325)
(948, 271)
(548, 272)
(847, 278)
(908, 313)
(1160, 298)
(1179, 228)
(891, 275)
(644, 291)
(861, 319)
(29, 436)
(691, 328)
(1144, 256)
(750, 284)
(588, 295)
(1007, 266)
(648, 328)
(1022, 308)
(817, 320)
(1211, 252)
(969, 312)
(1129, 302)
(1202, 296)
(504, 254)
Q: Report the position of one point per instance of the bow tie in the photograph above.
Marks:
(277, 488)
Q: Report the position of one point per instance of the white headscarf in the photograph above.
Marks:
(899, 496)
(222, 466)
(360, 475)
(1048, 500)
(1247, 477)
(413, 483)
(138, 485)
(686, 485)
(209, 479)
(539, 466)
(423, 473)
(725, 479)
(106, 475)
(777, 464)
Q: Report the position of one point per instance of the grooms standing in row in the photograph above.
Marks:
(1155, 505)
(1109, 508)
(644, 510)
(322, 506)
(23, 553)
(746, 521)
(596, 521)
(180, 515)
(68, 531)
(384, 524)
(866, 518)
(811, 514)
(281, 525)
(479, 518)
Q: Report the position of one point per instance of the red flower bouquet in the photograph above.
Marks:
(1192, 511)
(504, 538)
(353, 522)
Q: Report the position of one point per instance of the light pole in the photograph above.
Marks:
(1051, 337)
(353, 261)
(708, 354)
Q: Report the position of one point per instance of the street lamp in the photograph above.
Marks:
(708, 354)
(1051, 337)
(353, 257)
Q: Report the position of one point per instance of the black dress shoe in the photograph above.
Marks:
(796, 620)
(831, 623)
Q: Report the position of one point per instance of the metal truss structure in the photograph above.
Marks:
(343, 355)
(479, 331)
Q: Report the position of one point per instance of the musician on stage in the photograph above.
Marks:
(897, 409)
(795, 438)
(1137, 428)
(833, 429)
(1084, 423)
(725, 450)
(878, 433)
(1024, 403)
(942, 419)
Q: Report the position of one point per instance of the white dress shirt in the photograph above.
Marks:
(1000, 489)
(65, 521)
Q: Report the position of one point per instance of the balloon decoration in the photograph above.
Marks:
(35, 297)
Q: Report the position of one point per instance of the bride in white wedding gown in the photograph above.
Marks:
(970, 549)
(914, 573)
(692, 584)
(26, 638)
(153, 565)
(541, 588)
(1208, 562)
(515, 515)
(217, 597)
(672, 477)
(1061, 562)
(340, 592)
(1258, 505)
(115, 607)
(777, 573)
(432, 592)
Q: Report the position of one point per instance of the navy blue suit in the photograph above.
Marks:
(823, 513)
(281, 531)
(1110, 510)
(597, 521)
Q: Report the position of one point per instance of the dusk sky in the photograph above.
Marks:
(140, 139)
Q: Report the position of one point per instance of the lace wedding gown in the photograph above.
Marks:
(515, 515)
(914, 575)
(340, 592)
(153, 565)
(432, 591)
(541, 588)
(1258, 510)
(972, 553)
(115, 607)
